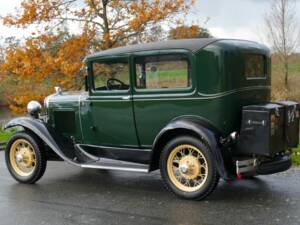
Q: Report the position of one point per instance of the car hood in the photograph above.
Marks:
(73, 97)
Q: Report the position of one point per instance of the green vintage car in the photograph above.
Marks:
(196, 109)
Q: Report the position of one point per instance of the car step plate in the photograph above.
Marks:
(108, 164)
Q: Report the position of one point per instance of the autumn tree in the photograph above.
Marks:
(193, 31)
(114, 22)
(2, 56)
(40, 63)
(53, 57)
(283, 31)
(151, 34)
(6, 43)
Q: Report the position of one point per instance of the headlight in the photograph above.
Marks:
(34, 108)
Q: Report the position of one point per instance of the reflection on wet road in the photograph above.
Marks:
(71, 195)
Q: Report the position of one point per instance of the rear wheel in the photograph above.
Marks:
(188, 169)
(25, 158)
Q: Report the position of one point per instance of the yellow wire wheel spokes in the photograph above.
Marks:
(22, 157)
(187, 168)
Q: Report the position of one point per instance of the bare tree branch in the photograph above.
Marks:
(283, 31)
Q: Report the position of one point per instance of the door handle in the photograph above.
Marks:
(126, 97)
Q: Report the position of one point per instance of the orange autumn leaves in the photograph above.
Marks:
(54, 57)
(185, 32)
(113, 22)
(32, 70)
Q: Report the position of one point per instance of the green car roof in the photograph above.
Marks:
(189, 44)
(193, 45)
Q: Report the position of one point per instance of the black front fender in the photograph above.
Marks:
(206, 132)
(62, 147)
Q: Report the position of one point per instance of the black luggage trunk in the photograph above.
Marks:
(262, 130)
(291, 123)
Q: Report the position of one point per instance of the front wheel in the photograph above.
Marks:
(25, 157)
(188, 169)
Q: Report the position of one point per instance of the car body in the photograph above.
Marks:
(205, 99)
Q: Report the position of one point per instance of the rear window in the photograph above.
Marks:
(255, 66)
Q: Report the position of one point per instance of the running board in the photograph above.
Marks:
(120, 166)
(87, 156)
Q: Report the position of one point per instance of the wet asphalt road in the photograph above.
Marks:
(71, 195)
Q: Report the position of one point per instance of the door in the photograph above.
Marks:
(163, 90)
(108, 113)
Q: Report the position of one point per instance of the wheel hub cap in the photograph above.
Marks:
(25, 157)
(184, 168)
(19, 158)
(189, 167)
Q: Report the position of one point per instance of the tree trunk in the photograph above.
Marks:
(106, 30)
(286, 73)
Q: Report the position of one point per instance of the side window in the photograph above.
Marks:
(255, 66)
(160, 72)
(110, 76)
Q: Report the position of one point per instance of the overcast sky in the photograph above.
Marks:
(241, 19)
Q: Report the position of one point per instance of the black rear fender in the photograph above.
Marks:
(199, 128)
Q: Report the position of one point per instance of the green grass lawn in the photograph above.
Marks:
(296, 157)
(172, 73)
(294, 69)
(4, 136)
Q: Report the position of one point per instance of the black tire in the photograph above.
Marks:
(40, 157)
(212, 177)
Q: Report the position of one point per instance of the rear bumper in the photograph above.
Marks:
(277, 165)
